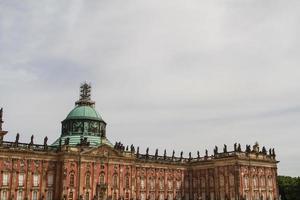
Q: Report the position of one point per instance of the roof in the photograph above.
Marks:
(75, 139)
(84, 112)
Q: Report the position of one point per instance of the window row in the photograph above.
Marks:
(20, 195)
(257, 181)
(21, 179)
(201, 182)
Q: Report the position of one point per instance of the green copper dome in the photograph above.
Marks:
(83, 125)
(84, 112)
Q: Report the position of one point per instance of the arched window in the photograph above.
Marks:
(231, 180)
(195, 183)
(72, 179)
(127, 185)
(102, 178)
(152, 196)
(222, 181)
(202, 182)
(178, 185)
(115, 181)
(161, 183)
(270, 182)
(152, 183)
(211, 181)
(88, 180)
(262, 181)
(142, 183)
(246, 182)
(170, 184)
(161, 196)
(186, 183)
(255, 182)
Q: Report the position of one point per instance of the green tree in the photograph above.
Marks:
(289, 187)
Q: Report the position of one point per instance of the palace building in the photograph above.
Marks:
(83, 164)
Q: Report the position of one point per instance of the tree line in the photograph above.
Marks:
(289, 187)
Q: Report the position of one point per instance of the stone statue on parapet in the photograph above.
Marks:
(273, 153)
(31, 140)
(216, 150)
(248, 149)
(45, 142)
(256, 147)
(132, 149)
(239, 149)
(67, 141)
(138, 151)
(60, 142)
(17, 139)
(264, 151)
(225, 148)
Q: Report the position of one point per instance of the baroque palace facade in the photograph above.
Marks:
(82, 164)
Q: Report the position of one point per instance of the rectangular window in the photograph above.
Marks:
(5, 179)
(161, 196)
(50, 180)
(72, 180)
(212, 196)
(35, 180)
(34, 195)
(4, 195)
(178, 185)
(71, 195)
(19, 195)
(142, 183)
(143, 196)
(49, 195)
(21, 179)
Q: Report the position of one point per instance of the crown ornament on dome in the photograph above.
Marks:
(85, 96)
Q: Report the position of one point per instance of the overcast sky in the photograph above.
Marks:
(183, 75)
